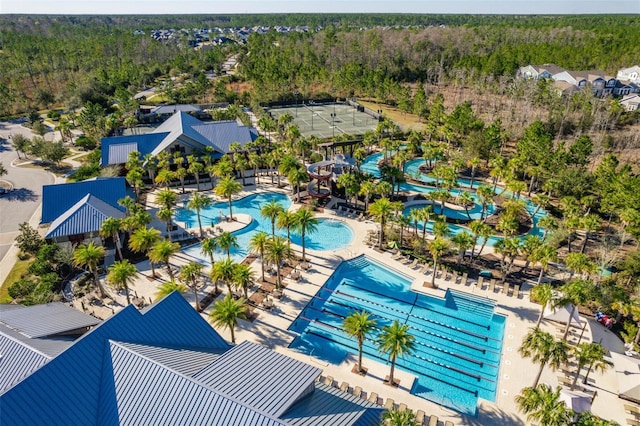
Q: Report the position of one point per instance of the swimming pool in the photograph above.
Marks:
(330, 234)
(458, 339)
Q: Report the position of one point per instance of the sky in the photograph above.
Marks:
(173, 7)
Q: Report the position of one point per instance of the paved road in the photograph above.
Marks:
(20, 204)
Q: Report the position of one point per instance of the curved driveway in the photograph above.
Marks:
(24, 201)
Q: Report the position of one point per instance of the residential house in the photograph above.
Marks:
(631, 74)
(180, 133)
(631, 102)
(536, 72)
(137, 367)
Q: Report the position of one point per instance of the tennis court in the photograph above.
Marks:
(319, 119)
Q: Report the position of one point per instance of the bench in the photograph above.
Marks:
(389, 404)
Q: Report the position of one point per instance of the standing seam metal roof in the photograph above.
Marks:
(17, 361)
(85, 216)
(259, 377)
(46, 320)
(58, 198)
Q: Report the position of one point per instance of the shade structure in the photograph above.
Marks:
(628, 374)
(562, 314)
(577, 401)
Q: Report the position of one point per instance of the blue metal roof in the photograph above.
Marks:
(58, 198)
(85, 216)
(149, 393)
(115, 149)
(267, 381)
(81, 372)
(222, 134)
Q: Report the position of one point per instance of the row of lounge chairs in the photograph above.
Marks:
(389, 404)
(351, 214)
(454, 277)
(635, 413)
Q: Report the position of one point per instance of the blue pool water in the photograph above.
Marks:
(456, 358)
(330, 234)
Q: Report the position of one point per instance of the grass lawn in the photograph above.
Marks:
(408, 121)
(19, 269)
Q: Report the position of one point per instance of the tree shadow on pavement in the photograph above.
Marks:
(21, 194)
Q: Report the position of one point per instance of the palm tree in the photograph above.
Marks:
(199, 202)
(165, 215)
(190, 275)
(480, 230)
(589, 223)
(162, 252)
(243, 278)
(258, 244)
(286, 220)
(89, 255)
(575, 292)
(142, 241)
(277, 252)
(297, 176)
(223, 271)
(462, 241)
(543, 294)
(227, 188)
(166, 198)
(591, 354)
(305, 223)
(208, 247)
(226, 241)
(227, 312)
(270, 211)
(395, 417)
(121, 274)
(465, 198)
(111, 228)
(473, 163)
(438, 248)
(403, 222)
(542, 404)
(544, 255)
(486, 195)
(359, 325)
(508, 248)
(544, 349)
(396, 341)
(169, 287)
(425, 216)
(367, 189)
(382, 210)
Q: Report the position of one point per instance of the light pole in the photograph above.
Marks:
(333, 122)
(296, 93)
(311, 105)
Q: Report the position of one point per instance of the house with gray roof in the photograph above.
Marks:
(180, 133)
(167, 365)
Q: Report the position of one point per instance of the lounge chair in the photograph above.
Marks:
(433, 420)
(464, 279)
(492, 285)
(447, 276)
(344, 386)
(424, 269)
(389, 404)
(481, 282)
(448, 423)
(420, 417)
(328, 381)
(357, 391)
(632, 422)
(402, 407)
(631, 409)
(516, 291)
(414, 263)
(505, 288)
(397, 256)
(373, 398)
(454, 278)
(566, 381)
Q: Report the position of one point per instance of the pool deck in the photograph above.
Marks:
(270, 329)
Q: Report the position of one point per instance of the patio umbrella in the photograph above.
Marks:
(628, 374)
(577, 401)
(561, 314)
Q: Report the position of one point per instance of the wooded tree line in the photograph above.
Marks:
(70, 60)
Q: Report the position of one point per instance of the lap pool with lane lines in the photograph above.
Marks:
(458, 339)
